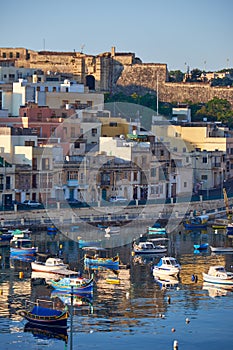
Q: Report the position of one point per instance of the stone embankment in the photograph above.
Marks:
(167, 213)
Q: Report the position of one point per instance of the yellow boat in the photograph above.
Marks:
(113, 280)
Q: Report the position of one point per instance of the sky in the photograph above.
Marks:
(191, 33)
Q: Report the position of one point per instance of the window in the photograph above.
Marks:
(161, 153)
(72, 132)
(8, 182)
(4, 54)
(204, 177)
(17, 55)
(72, 175)
(45, 164)
(153, 172)
(94, 131)
(144, 161)
(39, 117)
(113, 124)
(29, 143)
(135, 176)
(34, 163)
(185, 184)
(11, 55)
(204, 160)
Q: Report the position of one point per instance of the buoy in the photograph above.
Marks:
(173, 330)
(168, 300)
(133, 253)
(175, 344)
(21, 274)
(187, 320)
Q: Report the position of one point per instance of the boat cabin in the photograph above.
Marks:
(217, 271)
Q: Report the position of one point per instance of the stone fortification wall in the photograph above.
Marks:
(116, 72)
(143, 78)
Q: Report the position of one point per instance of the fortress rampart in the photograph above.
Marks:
(116, 72)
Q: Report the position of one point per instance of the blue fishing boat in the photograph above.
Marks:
(157, 229)
(84, 243)
(22, 246)
(96, 262)
(196, 222)
(74, 284)
(45, 316)
(202, 246)
(51, 230)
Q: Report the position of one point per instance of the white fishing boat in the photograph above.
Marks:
(218, 275)
(52, 265)
(167, 266)
(221, 249)
(148, 247)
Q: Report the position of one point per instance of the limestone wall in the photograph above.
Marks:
(115, 72)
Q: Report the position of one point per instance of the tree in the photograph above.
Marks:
(217, 109)
(176, 76)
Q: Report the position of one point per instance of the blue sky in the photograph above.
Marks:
(197, 33)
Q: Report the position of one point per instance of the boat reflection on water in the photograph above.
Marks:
(167, 283)
(25, 258)
(78, 300)
(216, 290)
(46, 332)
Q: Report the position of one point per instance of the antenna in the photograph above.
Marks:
(43, 44)
(82, 47)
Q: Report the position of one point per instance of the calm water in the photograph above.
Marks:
(136, 314)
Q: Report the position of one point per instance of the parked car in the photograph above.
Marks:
(32, 203)
(117, 199)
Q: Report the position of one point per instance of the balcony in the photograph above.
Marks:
(72, 183)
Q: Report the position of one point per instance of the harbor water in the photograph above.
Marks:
(138, 313)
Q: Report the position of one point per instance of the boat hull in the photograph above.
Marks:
(23, 251)
(112, 263)
(65, 285)
(221, 249)
(217, 280)
(46, 317)
(194, 226)
(150, 251)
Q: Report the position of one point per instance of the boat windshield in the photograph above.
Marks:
(171, 262)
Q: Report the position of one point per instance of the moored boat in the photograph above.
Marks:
(73, 285)
(149, 247)
(110, 263)
(51, 230)
(218, 275)
(221, 249)
(196, 222)
(201, 246)
(52, 265)
(22, 246)
(156, 229)
(45, 316)
(167, 266)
